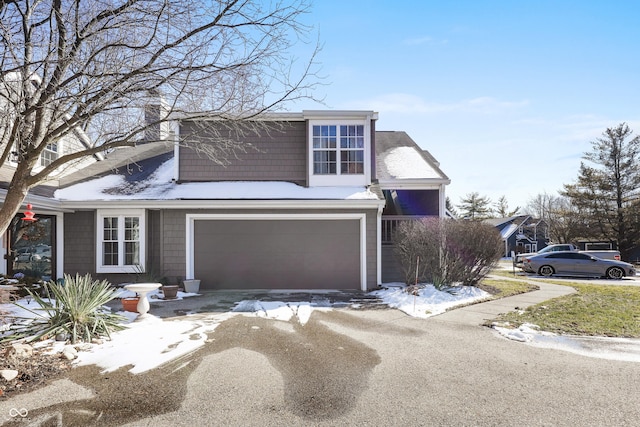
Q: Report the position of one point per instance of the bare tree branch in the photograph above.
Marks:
(73, 66)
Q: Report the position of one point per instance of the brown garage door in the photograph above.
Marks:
(277, 254)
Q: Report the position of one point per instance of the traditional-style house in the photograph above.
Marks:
(521, 233)
(310, 204)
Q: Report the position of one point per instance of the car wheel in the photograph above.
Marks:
(615, 273)
(546, 270)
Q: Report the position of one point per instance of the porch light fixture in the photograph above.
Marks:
(28, 214)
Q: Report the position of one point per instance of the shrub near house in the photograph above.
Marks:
(445, 252)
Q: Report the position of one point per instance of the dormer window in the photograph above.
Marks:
(49, 154)
(338, 153)
(326, 149)
(352, 149)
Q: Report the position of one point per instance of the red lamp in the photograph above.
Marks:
(28, 214)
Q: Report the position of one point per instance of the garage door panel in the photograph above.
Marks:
(282, 254)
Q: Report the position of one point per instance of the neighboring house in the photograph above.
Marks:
(521, 233)
(308, 206)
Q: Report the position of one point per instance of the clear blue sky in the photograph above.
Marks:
(507, 95)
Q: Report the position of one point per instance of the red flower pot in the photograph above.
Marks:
(130, 304)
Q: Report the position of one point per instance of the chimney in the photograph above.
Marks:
(155, 116)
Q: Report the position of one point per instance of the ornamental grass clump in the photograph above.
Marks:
(75, 310)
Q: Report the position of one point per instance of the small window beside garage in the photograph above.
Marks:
(120, 241)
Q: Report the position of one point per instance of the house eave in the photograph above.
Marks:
(339, 114)
(40, 203)
(225, 204)
(413, 184)
(291, 116)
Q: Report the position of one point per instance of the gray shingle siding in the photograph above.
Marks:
(173, 244)
(277, 155)
(79, 242)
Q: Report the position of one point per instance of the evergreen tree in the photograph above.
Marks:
(607, 191)
(449, 206)
(501, 208)
(475, 207)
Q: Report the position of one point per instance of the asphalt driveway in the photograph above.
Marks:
(348, 367)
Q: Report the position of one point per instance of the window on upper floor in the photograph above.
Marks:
(338, 150)
(120, 238)
(338, 153)
(49, 154)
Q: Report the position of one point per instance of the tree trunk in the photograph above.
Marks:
(16, 193)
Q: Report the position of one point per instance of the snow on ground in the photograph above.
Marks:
(429, 301)
(149, 342)
(623, 349)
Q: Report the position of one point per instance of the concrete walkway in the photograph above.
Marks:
(478, 314)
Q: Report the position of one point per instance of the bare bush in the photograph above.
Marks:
(445, 252)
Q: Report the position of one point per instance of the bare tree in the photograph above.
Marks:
(565, 222)
(92, 67)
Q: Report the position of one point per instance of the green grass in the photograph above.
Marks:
(509, 273)
(596, 310)
(502, 288)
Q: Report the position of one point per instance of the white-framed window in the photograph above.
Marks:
(120, 241)
(49, 154)
(335, 145)
(324, 142)
(338, 150)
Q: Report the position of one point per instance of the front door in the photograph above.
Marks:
(31, 247)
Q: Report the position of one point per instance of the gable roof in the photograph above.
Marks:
(497, 222)
(398, 157)
(508, 226)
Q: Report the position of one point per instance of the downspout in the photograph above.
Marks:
(60, 245)
(176, 152)
(379, 245)
(443, 201)
(3, 253)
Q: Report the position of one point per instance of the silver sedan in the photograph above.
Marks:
(570, 263)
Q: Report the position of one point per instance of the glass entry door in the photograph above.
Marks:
(32, 247)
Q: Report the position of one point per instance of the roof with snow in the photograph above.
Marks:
(399, 157)
(144, 182)
(146, 172)
(502, 221)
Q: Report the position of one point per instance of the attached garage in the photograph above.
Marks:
(285, 251)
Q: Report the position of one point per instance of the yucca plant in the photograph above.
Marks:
(75, 310)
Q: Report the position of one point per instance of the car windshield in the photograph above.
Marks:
(545, 250)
